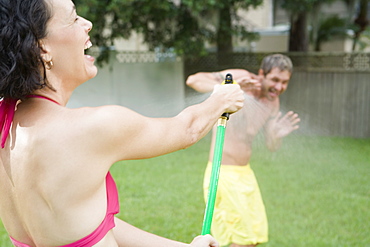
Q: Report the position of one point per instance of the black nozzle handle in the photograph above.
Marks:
(228, 80)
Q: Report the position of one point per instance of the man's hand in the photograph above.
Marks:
(279, 127)
(249, 83)
(283, 126)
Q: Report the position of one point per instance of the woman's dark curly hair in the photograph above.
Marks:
(22, 26)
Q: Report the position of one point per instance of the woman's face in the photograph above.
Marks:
(65, 43)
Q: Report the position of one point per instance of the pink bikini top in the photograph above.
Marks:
(7, 109)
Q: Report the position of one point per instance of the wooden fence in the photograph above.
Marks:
(330, 92)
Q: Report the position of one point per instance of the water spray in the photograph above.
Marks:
(216, 164)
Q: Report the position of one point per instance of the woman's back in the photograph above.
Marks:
(51, 192)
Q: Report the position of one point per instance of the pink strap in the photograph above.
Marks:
(41, 97)
(17, 243)
(7, 109)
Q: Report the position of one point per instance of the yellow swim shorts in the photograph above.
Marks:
(239, 216)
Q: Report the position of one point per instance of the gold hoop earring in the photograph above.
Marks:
(49, 65)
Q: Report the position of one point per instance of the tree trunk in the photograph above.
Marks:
(361, 21)
(298, 38)
(224, 37)
(315, 25)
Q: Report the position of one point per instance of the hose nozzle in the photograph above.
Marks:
(228, 80)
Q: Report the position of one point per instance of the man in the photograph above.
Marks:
(239, 215)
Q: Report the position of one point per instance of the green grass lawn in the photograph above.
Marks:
(316, 191)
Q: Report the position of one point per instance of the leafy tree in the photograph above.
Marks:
(299, 11)
(330, 28)
(184, 25)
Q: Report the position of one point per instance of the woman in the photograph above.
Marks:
(55, 185)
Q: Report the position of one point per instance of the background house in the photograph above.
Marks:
(271, 22)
